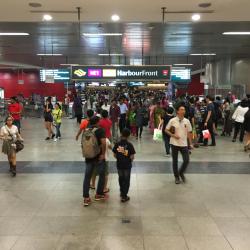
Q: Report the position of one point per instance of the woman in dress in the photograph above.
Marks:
(9, 134)
(48, 119)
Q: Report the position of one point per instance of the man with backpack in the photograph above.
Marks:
(93, 150)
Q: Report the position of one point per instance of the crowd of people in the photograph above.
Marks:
(107, 120)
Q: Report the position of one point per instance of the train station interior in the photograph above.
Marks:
(71, 69)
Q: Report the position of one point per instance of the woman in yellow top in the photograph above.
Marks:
(57, 116)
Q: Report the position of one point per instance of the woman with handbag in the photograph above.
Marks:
(12, 142)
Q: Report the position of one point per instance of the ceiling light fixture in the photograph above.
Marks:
(69, 64)
(49, 54)
(111, 54)
(14, 34)
(183, 64)
(236, 33)
(204, 54)
(102, 34)
(196, 17)
(115, 18)
(47, 17)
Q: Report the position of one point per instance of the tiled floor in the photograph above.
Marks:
(43, 210)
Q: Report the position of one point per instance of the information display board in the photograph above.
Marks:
(126, 73)
(59, 75)
(180, 74)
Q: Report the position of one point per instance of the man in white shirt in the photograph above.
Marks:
(123, 115)
(106, 106)
(180, 131)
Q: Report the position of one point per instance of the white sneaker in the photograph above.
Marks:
(55, 139)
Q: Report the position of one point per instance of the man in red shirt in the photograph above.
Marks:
(105, 123)
(114, 114)
(15, 109)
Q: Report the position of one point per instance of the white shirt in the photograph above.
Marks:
(123, 108)
(239, 114)
(182, 128)
(13, 131)
(108, 143)
(104, 107)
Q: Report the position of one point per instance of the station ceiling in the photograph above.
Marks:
(156, 43)
(129, 10)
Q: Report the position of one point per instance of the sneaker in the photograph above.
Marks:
(177, 181)
(47, 138)
(55, 139)
(183, 178)
(100, 197)
(168, 155)
(86, 202)
(125, 199)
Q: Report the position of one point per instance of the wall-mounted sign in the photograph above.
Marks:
(59, 75)
(180, 74)
(102, 73)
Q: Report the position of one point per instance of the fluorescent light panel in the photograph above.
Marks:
(49, 54)
(204, 54)
(101, 34)
(68, 64)
(236, 33)
(183, 64)
(14, 34)
(110, 54)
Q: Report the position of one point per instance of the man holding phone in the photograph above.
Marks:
(180, 131)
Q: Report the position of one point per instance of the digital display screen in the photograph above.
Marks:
(180, 74)
(60, 75)
(136, 73)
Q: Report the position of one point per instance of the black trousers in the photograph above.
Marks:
(210, 127)
(185, 155)
(137, 131)
(79, 118)
(124, 181)
(122, 122)
(166, 140)
(238, 127)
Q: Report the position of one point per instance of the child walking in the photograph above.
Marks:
(57, 116)
(124, 152)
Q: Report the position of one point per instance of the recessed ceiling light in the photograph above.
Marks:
(47, 17)
(115, 18)
(49, 54)
(102, 34)
(13, 34)
(68, 64)
(236, 33)
(203, 54)
(35, 5)
(196, 17)
(110, 54)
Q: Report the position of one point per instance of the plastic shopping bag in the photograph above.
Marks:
(157, 134)
(206, 134)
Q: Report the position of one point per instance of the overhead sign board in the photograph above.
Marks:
(102, 73)
(59, 75)
(180, 74)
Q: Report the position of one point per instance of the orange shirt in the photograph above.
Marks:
(84, 124)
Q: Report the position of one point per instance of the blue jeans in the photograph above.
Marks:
(90, 166)
(58, 132)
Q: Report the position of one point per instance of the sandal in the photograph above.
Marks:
(91, 187)
(106, 191)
